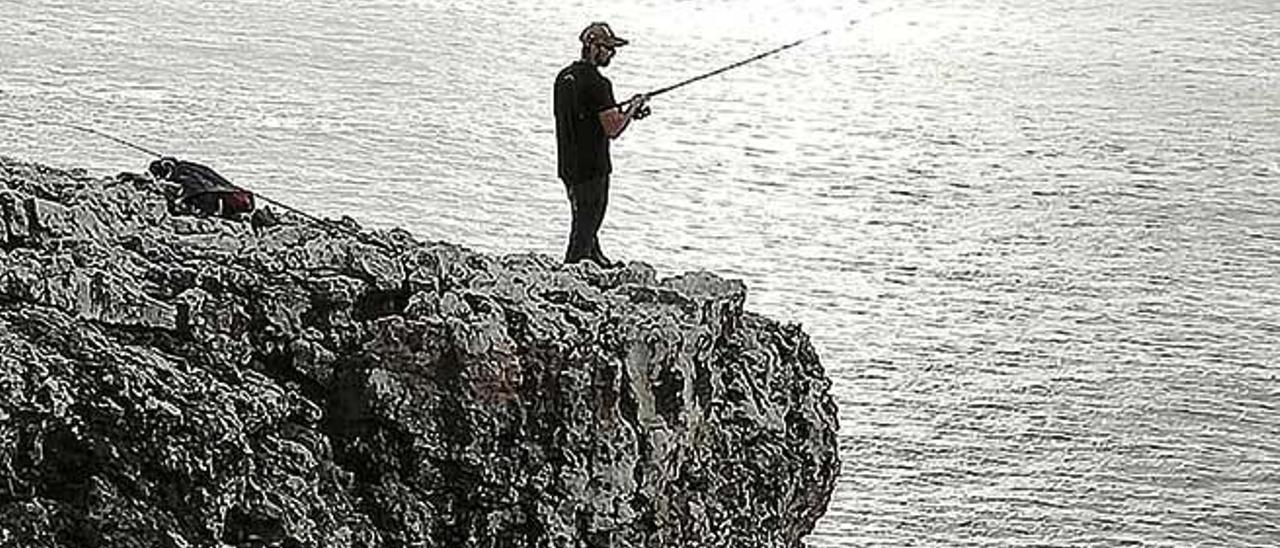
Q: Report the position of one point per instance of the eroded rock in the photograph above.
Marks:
(186, 382)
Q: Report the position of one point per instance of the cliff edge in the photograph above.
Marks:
(178, 381)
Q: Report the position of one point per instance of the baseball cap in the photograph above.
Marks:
(600, 33)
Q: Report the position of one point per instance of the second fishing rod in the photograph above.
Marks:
(159, 156)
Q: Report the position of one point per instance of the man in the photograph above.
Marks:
(198, 190)
(587, 118)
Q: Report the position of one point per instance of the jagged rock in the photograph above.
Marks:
(175, 381)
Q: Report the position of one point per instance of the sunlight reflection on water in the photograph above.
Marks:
(1036, 245)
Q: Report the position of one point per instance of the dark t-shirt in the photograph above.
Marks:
(193, 178)
(581, 144)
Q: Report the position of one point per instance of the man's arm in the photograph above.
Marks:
(616, 120)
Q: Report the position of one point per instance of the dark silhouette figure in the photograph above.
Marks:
(587, 118)
(201, 191)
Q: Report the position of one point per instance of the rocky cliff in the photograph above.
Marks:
(179, 381)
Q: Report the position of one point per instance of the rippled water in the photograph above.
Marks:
(1037, 245)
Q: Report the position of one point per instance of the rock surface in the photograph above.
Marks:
(182, 382)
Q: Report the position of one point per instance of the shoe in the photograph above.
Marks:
(604, 262)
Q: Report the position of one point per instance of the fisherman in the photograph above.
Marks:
(587, 118)
(197, 189)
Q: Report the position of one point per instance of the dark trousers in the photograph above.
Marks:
(588, 199)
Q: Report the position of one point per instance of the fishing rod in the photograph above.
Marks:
(91, 131)
(753, 58)
(286, 207)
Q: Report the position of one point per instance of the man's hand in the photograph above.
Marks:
(615, 120)
(638, 100)
(639, 106)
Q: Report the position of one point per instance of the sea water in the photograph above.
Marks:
(1037, 244)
